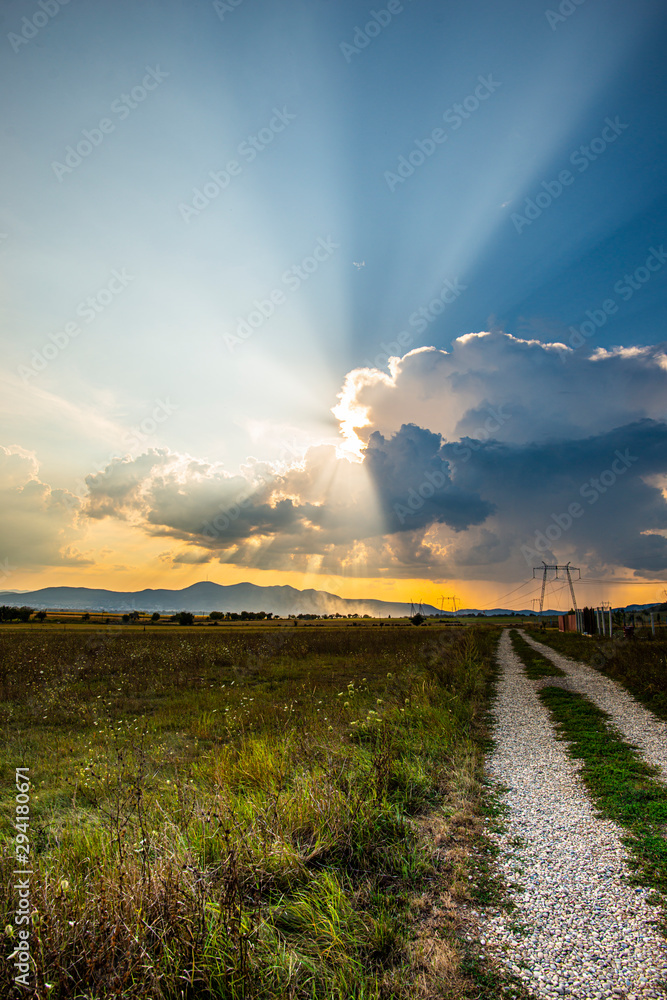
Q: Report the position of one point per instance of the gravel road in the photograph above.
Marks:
(580, 929)
(638, 725)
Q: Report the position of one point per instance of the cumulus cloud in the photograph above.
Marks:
(493, 385)
(413, 482)
(39, 523)
(469, 464)
(268, 515)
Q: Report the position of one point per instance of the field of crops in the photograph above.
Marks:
(260, 813)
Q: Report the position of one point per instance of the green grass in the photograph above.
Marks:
(535, 665)
(639, 664)
(622, 786)
(246, 815)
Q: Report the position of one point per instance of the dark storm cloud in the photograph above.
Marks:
(413, 483)
(590, 496)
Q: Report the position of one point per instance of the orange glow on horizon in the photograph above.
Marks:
(155, 575)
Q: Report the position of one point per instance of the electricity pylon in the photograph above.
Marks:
(545, 570)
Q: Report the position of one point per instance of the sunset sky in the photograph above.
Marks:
(367, 298)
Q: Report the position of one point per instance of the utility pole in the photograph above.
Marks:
(454, 599)
(546, 569)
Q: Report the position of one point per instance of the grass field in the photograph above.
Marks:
(640, 663)
(257, 813)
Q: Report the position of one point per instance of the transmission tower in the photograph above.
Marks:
(545, 569)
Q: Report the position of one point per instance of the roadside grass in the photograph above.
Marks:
(258, 816)
(622, 786)
(534, 664)
(639, 664)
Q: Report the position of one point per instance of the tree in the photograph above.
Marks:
(85, 617)
(216, 616)
(40, 616)
(155, 617)
(12, 614)
(183, 618)
(417, 619)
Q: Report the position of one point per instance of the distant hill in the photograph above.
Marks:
(202, 598)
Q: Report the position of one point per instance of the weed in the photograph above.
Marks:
(621, 784)
(535, 665)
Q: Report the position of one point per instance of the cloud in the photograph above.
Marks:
(587, 499)
(269, 515)
(467, 465)
(493, 385)
(413, 482)
(39, 523)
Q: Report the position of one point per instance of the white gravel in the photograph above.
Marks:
(637, 724)
(580, 929)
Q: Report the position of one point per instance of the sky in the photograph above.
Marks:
(366, 298)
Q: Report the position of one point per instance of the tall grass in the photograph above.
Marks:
(226, 816)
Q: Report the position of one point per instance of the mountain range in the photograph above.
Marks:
(202, 598)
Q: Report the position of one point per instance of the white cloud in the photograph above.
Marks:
(547, 391)
(39, 523)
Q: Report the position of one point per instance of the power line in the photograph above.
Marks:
(503, 597)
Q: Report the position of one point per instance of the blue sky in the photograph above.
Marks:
(376, 170)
